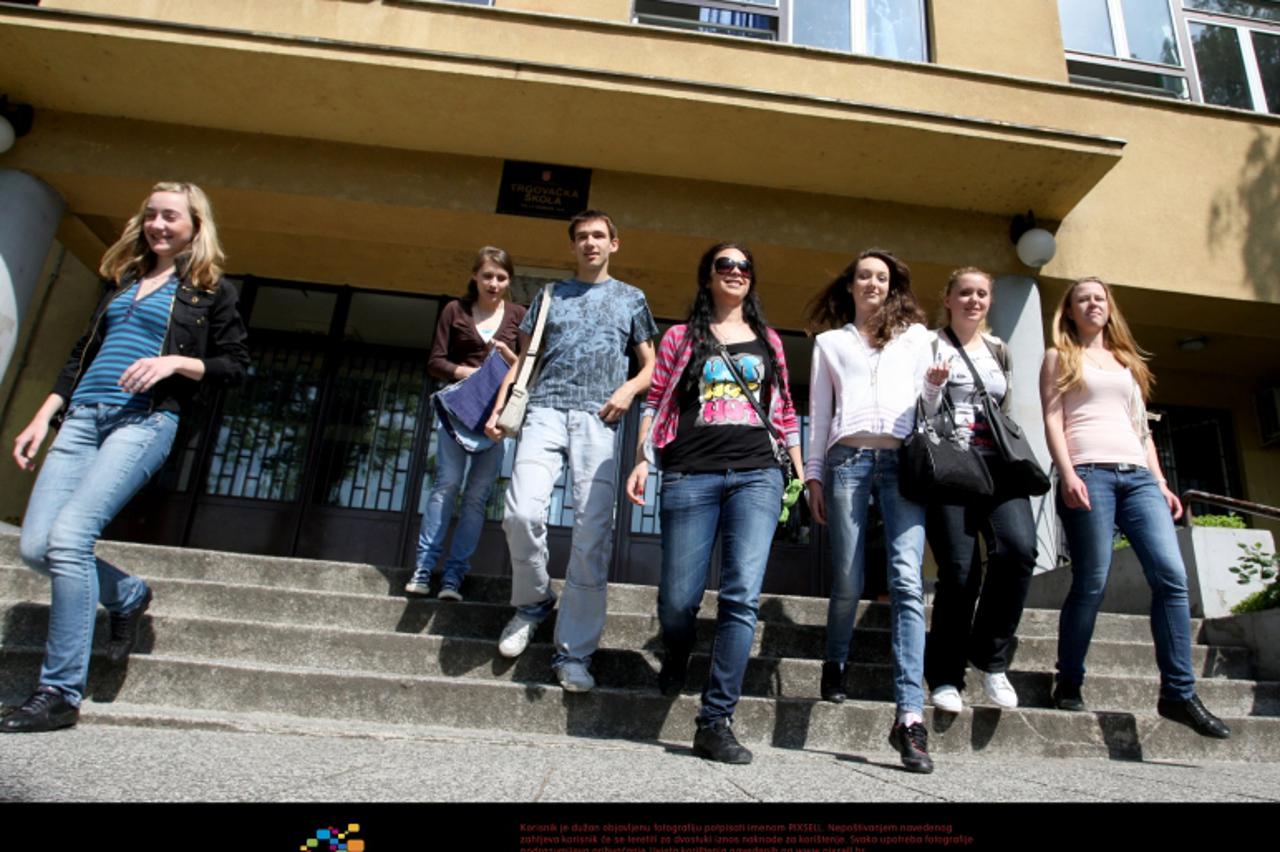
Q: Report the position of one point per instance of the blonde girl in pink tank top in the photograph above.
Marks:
(1094, 384)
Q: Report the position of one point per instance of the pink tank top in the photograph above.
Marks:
(1098, 418)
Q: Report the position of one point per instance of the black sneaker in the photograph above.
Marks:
(1194, 715)
(124, 630)
(675, 666)
(46, 710)
(1067, 697)
(715, 741)
(832, 686)
(912, 742)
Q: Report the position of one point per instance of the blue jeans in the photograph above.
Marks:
(853, 477)
(742, 506)
(451, 467)
(551, 437)
(1128, 497)
(101, 457)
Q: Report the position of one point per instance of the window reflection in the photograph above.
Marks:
(1222, 75)
(1086, 26)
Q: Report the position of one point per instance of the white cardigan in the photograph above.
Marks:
(849, 394)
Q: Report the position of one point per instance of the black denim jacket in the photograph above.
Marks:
(201, 325)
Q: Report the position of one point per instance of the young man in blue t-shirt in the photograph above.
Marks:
(581, 395)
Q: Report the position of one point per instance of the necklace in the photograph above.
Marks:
(1094, 361)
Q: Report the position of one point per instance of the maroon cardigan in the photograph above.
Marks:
(459, 344)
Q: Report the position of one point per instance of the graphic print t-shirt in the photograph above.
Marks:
(719, 428)
(589, 332)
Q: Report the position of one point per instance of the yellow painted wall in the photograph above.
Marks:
(603, 10)
(980, 35)
(1199, 178)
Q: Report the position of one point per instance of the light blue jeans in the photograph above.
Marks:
(451, 468)
(550, 438)
(853, 477)
(742, 507)
(1126, 496)
(101, 457)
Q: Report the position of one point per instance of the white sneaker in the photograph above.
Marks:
(574, 677)
(419, 586)
(947, 699)
(516, 635)
(999, 690)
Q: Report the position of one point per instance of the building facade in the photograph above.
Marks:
(358, 152)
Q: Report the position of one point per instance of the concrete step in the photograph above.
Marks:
(201, 599)
(326, 647)
(150, 562)
(860, 727)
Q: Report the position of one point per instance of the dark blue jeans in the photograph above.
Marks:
(957, 634)
(1128, 497)
(742, 507)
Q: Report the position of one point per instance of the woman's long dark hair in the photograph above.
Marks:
(488, 254)
(703, 311)
(834, 306)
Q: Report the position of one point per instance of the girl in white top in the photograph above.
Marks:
(977, 601)
(866, 376)
(1094, 384)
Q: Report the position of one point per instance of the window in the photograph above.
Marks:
(1223, 52)
(894, 29)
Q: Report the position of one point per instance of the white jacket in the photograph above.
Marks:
(854, 389)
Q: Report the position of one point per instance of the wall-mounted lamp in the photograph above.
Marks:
(1193, 344)
(15, 121)
(1035, 245)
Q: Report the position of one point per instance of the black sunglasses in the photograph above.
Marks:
(725, 265)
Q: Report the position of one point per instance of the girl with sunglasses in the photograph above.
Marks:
(720, 477)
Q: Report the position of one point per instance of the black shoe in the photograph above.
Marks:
(833, 682)
(1067, 697)
(716, 741)
(1194, 715)
(675, 666)
(912, 742)
(124, 630)
(46, 710)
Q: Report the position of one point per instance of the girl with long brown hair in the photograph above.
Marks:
(866, 376)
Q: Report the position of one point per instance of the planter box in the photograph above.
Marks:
(1208, 553)
(1259, 631)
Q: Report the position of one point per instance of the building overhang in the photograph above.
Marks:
(420, 100)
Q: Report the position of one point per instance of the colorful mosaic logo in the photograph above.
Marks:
(334, 840)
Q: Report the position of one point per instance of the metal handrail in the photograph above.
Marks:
(1225, 502)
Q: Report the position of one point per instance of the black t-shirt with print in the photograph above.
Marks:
(718, 427)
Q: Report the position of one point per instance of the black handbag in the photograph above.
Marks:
(934, 467)
(1021, 473)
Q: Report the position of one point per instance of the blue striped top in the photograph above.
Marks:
(134, 329)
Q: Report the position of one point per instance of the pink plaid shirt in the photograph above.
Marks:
(662, 402)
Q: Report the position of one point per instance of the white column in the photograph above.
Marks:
(30, 211)
(1016, 318)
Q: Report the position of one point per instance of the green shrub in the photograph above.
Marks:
(1259, 565)
(1231, 521)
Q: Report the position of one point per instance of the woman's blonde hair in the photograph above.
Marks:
(200, 263)
(944, 313)
(1116, 337)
